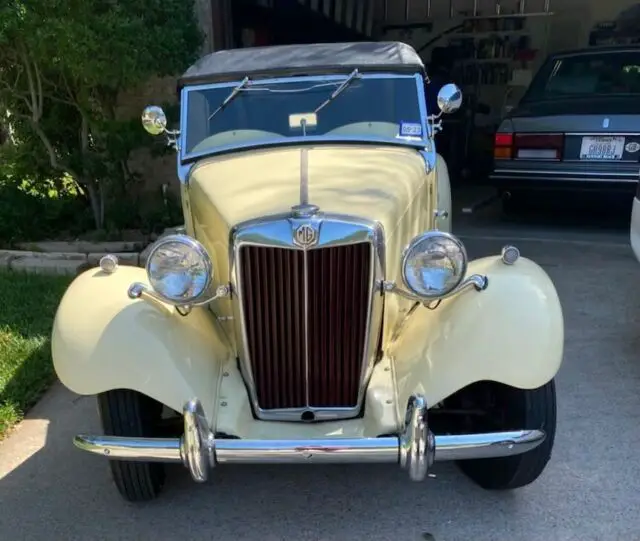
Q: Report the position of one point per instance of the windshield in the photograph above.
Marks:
(367, 108)
(598, 74)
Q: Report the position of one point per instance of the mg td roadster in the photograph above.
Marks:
(316, 308)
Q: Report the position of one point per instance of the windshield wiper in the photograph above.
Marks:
(234, 93)
(354, 74)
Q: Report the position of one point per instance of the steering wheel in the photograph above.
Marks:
(233, 137)
(380, 129)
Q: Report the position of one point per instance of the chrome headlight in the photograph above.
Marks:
(434, 264)
(179, 269)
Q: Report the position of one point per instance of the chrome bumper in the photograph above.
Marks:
(415, 449)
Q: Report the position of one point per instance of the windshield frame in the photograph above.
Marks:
(301, 139)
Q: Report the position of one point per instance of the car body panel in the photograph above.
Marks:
(511, 333)
(379, 417)
(103, 340)
(443, 196)
(386, 184)
(114, 342)
(244, 186)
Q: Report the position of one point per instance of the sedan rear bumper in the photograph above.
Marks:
(561, 178)
(414, 450)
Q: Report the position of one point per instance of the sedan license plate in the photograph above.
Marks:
(602, 148)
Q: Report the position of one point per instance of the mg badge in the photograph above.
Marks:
(632, 147)
(605, 123)
(305, 236)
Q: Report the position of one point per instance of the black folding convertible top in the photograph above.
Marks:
(291, 60)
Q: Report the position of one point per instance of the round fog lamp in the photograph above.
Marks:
(434, 264)
(179, 269)
(109, 263)
(510, 254)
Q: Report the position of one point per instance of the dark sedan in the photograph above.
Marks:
(576, 128)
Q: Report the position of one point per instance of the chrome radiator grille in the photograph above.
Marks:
(305, 319)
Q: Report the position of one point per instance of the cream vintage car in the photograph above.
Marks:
(317, 308)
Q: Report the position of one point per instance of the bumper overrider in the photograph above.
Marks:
(415, 449)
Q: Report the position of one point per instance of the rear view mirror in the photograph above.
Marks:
(306, 120)
(449, 98)
(154, 120)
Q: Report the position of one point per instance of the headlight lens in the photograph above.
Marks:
(434, 264)
(179, 269)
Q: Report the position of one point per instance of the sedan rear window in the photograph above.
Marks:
(598, 74)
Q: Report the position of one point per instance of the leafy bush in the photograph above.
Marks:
(27, 213)
(63, 65)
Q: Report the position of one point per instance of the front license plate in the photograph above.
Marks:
(602, 148)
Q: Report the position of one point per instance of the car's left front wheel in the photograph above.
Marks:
(131, 414)
(489, 406)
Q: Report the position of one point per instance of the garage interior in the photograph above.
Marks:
(491, 48)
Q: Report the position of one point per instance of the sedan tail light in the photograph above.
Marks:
(539, 146)
(503, 146)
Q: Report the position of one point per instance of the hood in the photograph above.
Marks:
(383, 183)
(374, 182)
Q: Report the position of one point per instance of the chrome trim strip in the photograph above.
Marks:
(305, 267)
(487, 445)
(333, 230)
(601, 134)
(127, 448)
(586, 181)
(325, 451)
(611, 162)
(556, 172)
(304, 176)
(414, 449)
(300, 79)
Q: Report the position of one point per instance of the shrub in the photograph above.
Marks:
(63, 64)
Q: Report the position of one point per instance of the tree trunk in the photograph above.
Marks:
(97, 203)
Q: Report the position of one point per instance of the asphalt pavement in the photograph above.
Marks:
(589, 491)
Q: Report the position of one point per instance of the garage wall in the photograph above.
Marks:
(569, 27)
(492, 82)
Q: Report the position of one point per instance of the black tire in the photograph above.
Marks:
(129, 413)
(528, 410)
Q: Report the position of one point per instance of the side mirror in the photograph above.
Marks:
(449, 99)
(155, 121)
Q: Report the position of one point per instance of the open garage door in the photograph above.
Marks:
(281, 22)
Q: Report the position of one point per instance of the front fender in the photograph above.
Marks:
(103, 340)
(512, 332)
(443, 195)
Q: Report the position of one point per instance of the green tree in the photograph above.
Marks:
(63, 65)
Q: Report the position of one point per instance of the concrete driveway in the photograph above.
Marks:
(48, 489)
